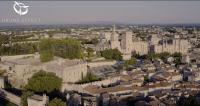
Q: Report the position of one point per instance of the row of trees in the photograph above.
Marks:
(163, 56)
(65, 48)
(48, 48)
(18, 48)
(5, 39)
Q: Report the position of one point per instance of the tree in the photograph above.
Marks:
(45, 50)
(44, 82)
(152, 56)
(132, 61)
(177, 58)
(88, 78)
(164, 56)
(46, 56)
(65, 48)
(117, 55)
(18, 49)
(112, 54)
(146, 79)
(95, 41)
(90, 52)
(24, 97)
(189, 101)
(56, 102)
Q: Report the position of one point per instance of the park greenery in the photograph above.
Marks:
(112, 54)
(88, 78)
(56, 102)
(44, 82)
(65, 48)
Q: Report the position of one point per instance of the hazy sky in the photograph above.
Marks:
(137, 12)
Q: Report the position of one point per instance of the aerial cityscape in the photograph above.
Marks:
(48, 61)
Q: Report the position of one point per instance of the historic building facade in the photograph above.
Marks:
(124, 42)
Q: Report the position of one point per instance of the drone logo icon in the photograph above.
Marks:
(20, 8)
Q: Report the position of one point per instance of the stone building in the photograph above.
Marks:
(21, 68)
(125, 43)
(140, 47)
(104, 99)
(2, 82)
(106, 36)
(68, 70)
(170, 45)
(37, 100)
(74, 100)
(154, 44)
(114, 40)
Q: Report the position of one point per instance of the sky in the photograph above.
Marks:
(128, 12)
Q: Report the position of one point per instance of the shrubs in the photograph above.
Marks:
(18, 49)
(56, 102)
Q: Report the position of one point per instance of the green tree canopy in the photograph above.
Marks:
(177, 58)
(56, 102)
(24, 97)
(164, 56)
(112, 54)
(44, 82)
(18, 49)
(132, 61)
(88, 78)
(146, 79)
(65, 48)
(90, 52)
(152, 56)
(189, 101)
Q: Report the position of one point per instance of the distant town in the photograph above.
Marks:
(100, 65)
